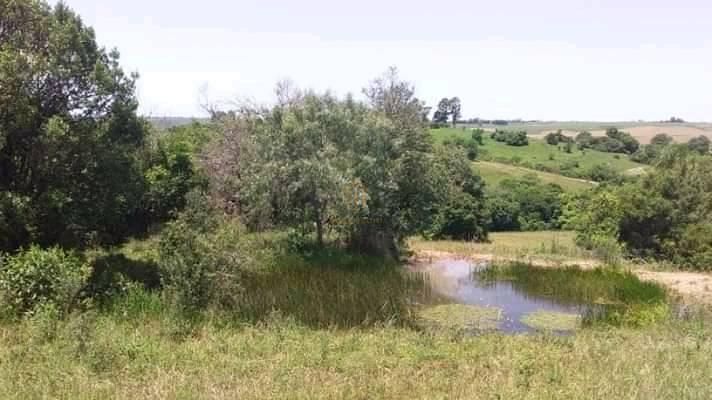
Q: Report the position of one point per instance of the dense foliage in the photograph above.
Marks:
(78, 167)
(554, 138)
(68, 132)
(41, 278)
(512, 138)
(524, 204)
(666, 214)
(615, 141)
(364, 174)
(463, 215)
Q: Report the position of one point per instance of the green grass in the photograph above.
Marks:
(493, 173)
(538, 154)
(552, 321)
(459, 317)
(333, 325)
(142, 357)
(554, 246)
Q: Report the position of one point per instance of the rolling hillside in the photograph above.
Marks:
(539, 156)
(493, 173)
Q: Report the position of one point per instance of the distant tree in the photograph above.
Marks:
(442, 114)
(524, 203)
(661, 139)
(630, 144)
(512, 138)
(584, 139)
(455, 110)
(700, 144)
(554, 138)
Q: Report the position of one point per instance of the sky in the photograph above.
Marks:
(600, 60)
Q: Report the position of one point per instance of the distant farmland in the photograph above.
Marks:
(643, 131)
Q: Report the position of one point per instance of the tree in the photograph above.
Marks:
(442, 114)
(362, 172)
(524, 204)
(584, 140)
(455, 110)
(462, 214)
(699, 144)
(68, 130)
(630, 144)
(661, 139)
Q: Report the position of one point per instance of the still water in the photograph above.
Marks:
(456, 281)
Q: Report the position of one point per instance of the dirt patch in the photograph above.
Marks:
(680, 133)
(690, 285)
(693, 286)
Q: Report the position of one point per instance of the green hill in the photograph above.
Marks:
(539, 155)
(494, 173)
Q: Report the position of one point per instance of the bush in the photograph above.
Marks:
(554, 138)
(602, 173)
(37, 277)
(200, 258)
(512, 138)
(478, 136)
(524, 204)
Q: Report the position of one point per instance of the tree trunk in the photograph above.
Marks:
(319, 231)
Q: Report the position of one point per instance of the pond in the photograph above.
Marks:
(522, 299)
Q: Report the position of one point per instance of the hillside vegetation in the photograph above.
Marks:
(539, 155)
(494, 173)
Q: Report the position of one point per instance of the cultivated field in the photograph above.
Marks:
(642, 131)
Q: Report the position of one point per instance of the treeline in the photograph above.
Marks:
(615, 141)
(79, 168)
(665, 214)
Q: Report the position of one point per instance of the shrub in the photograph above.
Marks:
(37, 277)
(512, 138)
(602, 173)
(200, 258)
(554, 138)
(700, 144)
(478, 136)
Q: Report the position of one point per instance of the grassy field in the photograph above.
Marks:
(493, 173)
(555, 246)
(305, 341)
(538, 154)
(145, 355)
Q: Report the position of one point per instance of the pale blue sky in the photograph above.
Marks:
(546, 59)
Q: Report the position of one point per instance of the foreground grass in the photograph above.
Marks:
(155, 357)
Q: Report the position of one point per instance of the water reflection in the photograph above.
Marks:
(457, 281)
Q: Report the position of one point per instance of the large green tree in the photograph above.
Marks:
(68, 131)
(363, 172)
